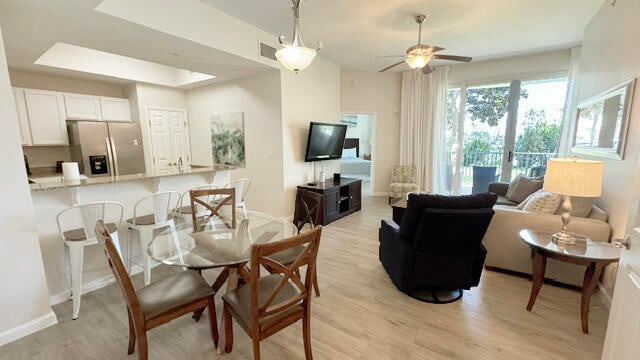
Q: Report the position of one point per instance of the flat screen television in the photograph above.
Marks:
(325, 141)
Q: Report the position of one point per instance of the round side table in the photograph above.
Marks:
(594, 255)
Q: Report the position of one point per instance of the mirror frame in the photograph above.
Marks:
(614, 153)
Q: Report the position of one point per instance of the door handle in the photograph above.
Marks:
(625, 242)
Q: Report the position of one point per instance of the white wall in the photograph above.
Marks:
(67, 84)
(610, 55)
(379, 93)
(143, 96)
(24, 304)
(311, 95)
(258, 97)
(511, 68)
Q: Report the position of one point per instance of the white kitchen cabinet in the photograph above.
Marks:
(82, 107)
(115, 109)
(23, 118)
(47, 117)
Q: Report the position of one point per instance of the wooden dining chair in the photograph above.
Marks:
(160, 302)
(269, 304)
(308, 210)
(211, 200)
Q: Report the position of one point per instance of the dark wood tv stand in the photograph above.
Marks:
(340, 199)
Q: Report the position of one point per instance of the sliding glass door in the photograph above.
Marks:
(499, 130)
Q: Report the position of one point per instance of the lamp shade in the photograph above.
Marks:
(574, 177)
(295, 57)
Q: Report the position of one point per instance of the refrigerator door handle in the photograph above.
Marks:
(115, 157)
(109, 154)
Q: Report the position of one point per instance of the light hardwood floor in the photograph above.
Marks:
(359, 315)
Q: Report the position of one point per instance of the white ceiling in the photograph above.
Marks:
(31, 27)
(354, 32)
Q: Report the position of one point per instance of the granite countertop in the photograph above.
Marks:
(45, 180)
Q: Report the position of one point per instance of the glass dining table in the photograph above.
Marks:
(216, 245)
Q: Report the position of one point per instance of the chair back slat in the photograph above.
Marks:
(164, 205)
(241, 187)
(118, 269)
(200, 209)
(308, 209)
(89, 214)
(201, 198)
(260, 256)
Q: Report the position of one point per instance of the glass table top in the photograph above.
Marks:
(584, 248)
(217, 245)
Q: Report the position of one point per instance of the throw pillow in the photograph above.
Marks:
(580, 206)
(512, 186)
(525, 187)
(524, 203)
(543, 202)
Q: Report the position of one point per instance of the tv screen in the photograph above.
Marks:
(325, 141)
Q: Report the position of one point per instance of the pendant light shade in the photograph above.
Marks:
(296, 56)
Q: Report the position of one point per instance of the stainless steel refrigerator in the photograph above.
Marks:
(106, 148)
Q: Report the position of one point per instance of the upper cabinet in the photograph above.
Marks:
(46, 113)
(82, 107)
(115, 109)
(23, 118)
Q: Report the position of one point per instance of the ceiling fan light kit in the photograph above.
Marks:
(419, 55)
(296, 56)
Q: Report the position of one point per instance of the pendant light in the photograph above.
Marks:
(296, 56)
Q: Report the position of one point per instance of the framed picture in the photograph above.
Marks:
(227, 139)
(602, 122)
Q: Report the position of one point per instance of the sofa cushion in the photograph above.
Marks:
(580, 206)
(542, 202)
(525, 187)
(512, 186)
(598, 214)
(502, 200)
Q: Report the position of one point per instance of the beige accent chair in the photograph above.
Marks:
(403, 181)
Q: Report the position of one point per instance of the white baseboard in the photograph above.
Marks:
(604, 295)
(96, 284)
(28, 328)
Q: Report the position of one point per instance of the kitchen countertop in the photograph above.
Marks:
(55, 181)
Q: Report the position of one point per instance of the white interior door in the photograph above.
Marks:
(180, 136)
(161, 148)
(623, 332)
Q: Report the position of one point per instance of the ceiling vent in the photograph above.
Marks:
(268, 51)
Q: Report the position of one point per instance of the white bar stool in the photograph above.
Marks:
(77, 238)
(184, 211)
(241, 186)
(164, 205)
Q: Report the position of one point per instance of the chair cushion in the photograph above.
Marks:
(143, 220)
(240, 300)
(401, 189)
(79, 235)
(170, 292)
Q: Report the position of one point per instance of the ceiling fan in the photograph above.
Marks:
(419, 55)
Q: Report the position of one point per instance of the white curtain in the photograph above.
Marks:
(569, 118)
(422, 126)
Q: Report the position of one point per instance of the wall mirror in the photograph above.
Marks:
(602, 121)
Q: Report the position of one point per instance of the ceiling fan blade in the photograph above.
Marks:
(428, 70)
(388, 56)
(452, 57)
(391, 66)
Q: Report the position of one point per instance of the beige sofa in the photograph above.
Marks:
(506, 251)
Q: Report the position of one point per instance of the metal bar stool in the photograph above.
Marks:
(77, 238)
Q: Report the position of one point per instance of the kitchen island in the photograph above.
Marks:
(51, 194)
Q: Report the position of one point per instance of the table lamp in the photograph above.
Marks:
(572, 177)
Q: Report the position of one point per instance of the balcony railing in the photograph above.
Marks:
(522, 162)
